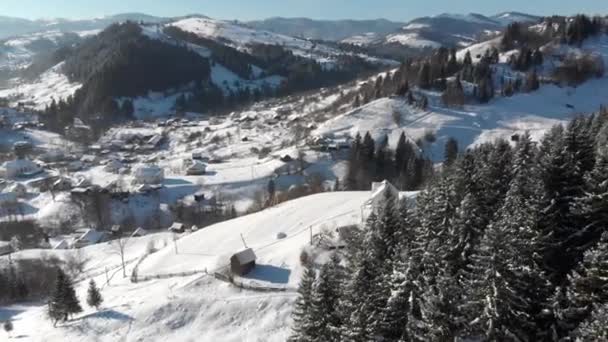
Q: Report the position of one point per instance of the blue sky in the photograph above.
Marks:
(319, 9)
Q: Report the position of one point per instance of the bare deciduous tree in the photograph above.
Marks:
(120, 246)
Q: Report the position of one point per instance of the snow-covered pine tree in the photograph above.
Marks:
(303, 327)
(592, 206)
(94, 298)
(394, 317)
(8, 326)
(436, 212)
(471, 215)
(596, 327)
(440, 313)
(506, 283)
(63, 301)
(587, 287)
(564, 169)
(326, 294)
(368, 289)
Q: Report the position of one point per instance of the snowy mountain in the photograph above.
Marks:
(177, 285)
(10, 27)
(453, 30)
(332, 30)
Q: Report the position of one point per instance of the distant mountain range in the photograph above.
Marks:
(456, 30)
(335, 30)
(10, 27)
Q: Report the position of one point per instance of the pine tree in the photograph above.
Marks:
(395, 316)
(94, 298)
(325, 302)
(303, 328)
(596, 327)
(564, 167)
(506, 281)
(592, 206)
(424, 76)
(450, 152)
(63, 301)
(532, 82)
(8, 326)
(587, 287)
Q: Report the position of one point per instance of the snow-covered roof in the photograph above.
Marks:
(380, 187)
(245, 256)
(176, 226)
(15, 188)
(139, 232)
(148, 171)
(22, 164)
(92, 236)
(8, 198)
(197, 165)
(63, 244)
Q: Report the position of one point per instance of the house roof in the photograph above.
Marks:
(379, 188)
(8, 198)
(92, 236)
(15, 187)
(20, 164)
(63, 244)
(245, 256)
(197, 165)
(139, 232)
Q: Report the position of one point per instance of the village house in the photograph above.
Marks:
(177, 227)
(196, 168)
(17, 189)
(243, 262)
(113, 166)
(139, 232)
(8, 199)
(90, 237)
(19, 168)
(149, 174)
(5, 248)
(379, 193)
(63, 244)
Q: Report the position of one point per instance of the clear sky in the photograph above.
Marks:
(401, 10)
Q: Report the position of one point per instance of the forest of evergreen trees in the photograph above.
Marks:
(370, 161)
(432, 72)
(121, 62)
(505, 244)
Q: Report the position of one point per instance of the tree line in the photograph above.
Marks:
(506, 244)
(370, 161)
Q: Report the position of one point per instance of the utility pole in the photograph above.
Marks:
(175, 242)
(244, 243)
(310, 228)
(107, 278)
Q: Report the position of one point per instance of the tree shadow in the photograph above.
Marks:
(6, 313)
(176, 181)
(269, 273)
(109, 314)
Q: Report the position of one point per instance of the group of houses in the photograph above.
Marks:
(88, 237)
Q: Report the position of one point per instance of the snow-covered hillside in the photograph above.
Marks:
(241, 37)
(37, 94)
(453, 30)
(199, 307)
(503, 117)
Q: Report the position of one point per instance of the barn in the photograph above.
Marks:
(242, 262)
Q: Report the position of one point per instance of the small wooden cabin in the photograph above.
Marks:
(242, 262)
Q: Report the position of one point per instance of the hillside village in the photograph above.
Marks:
(244, 201)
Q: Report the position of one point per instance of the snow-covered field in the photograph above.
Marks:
(199, 307)
(52, 84)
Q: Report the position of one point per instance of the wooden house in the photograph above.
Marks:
(243, 262)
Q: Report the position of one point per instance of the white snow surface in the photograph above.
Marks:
(197, 307)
